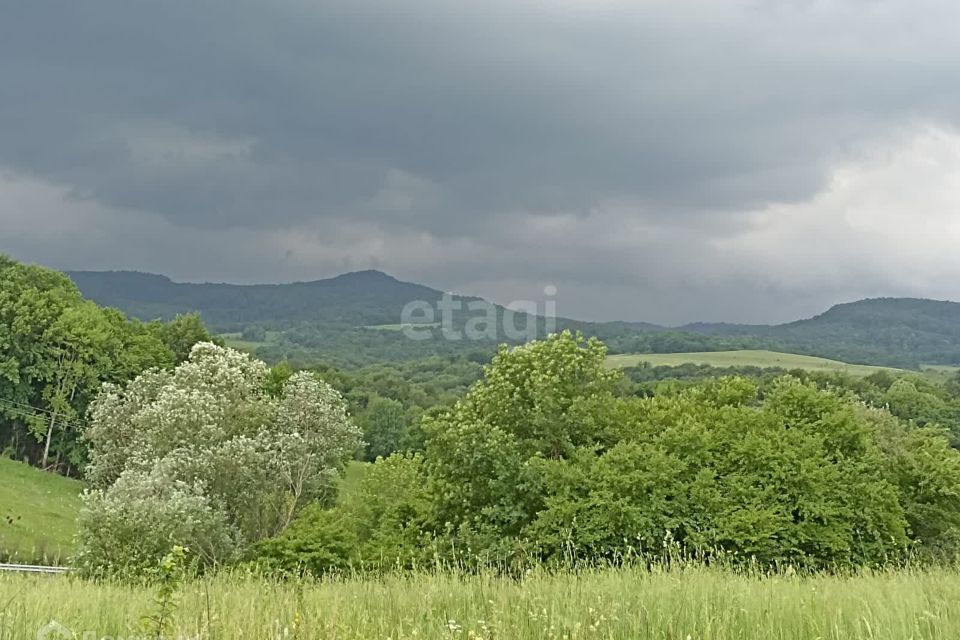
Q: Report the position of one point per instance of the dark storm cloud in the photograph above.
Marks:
(465, 121)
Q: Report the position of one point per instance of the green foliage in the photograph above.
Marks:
(927, 474)
(181, 333)
(385, 524)
(792, 481)
(906, 401)
(546, 459)
(318, 542)
(392, 513)
(169, 575)
(56, 349)
(206, 457)
(543, 399)
(385, 425)
(254, 334)
(277, 379)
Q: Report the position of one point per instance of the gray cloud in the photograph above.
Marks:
(641, 155)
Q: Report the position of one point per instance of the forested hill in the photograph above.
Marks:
(901, 332)
(356, 299)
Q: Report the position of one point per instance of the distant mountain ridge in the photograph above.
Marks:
(357, 298)
(890, 331)
(903, 332)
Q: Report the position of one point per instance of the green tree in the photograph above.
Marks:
(908, 402)
(56, 349)
(254, 333)
(540, 400)
(385, 424)
(796, 480)
(181, 333)
(208, 438)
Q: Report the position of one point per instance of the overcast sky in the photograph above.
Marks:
(665, 161)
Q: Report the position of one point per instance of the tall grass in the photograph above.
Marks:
(693, 602)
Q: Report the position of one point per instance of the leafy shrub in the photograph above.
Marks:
(207, 444)
(128, 528)
(385, 526)
(318, 542)
(796, 480)
(385, 424)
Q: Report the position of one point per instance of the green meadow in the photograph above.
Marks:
(744, 358)
(38, 513)
(691, 603)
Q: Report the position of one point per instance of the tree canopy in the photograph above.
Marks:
(550, 458)
(56, 349)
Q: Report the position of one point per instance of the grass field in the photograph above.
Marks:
(745, 358)
(401, 327)
(236, 341)
(37, 513)
(695, 604)
(349, 483)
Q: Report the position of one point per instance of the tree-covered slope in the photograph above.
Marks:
(329, 319)
(900, 332)
(359, 298)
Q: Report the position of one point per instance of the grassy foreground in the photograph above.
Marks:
(38, 513)
(690, 604)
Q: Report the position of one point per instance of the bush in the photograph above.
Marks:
(385, 525)
(318, 542)
(210, 445)
(385, 425)
(124, 530)
(796, 480)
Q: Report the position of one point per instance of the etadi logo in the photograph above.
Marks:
(53, 630)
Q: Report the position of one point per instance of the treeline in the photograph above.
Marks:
(351, 347)
(330, 320)
(347, 347)
(917, 398)
(544, 455)
(56, 351)
(549, 458)
(390, 399)
(552, 458)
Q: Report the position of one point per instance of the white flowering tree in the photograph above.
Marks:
(203, 456)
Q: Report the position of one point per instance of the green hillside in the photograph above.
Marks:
(897, 332)
(352, 320)
(742, 358)
(353, 299)
(38, 512)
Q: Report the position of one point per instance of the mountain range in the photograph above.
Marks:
(349, 308)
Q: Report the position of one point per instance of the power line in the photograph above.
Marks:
(26, 406)
(30, 411)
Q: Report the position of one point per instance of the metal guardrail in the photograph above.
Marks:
(32, 568)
